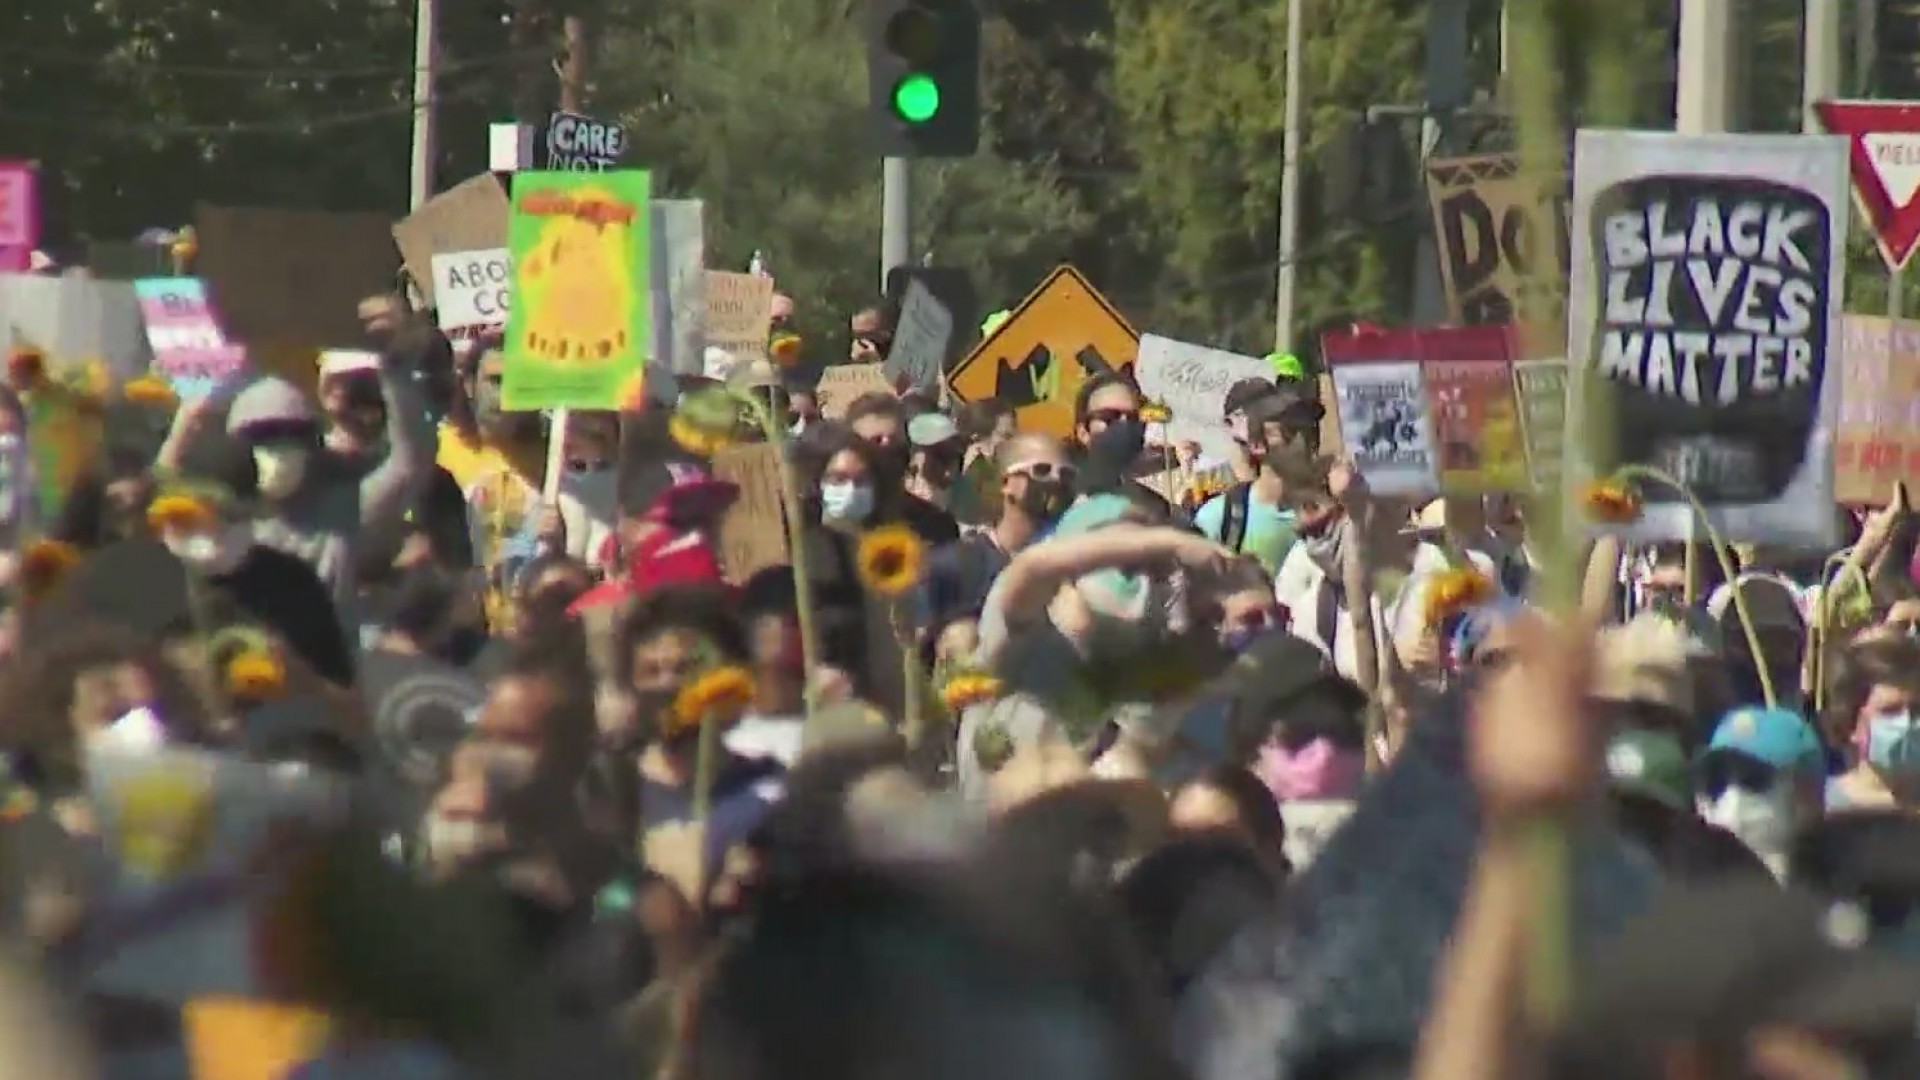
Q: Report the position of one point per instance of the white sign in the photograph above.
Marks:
(472, 288)
(583, 144)
(1896, 160)
(920, 339)
(678, 289)
(1192, 382)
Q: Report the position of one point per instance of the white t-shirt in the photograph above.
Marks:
(1300, 585)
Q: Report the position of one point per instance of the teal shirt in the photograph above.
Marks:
(1270, 530)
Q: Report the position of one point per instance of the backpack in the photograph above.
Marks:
(1233, 521)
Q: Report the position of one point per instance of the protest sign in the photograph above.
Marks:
(739, 313)
(842, 384)
(1476, 422)
(578, 143)
(472, 288)
(679, 287)
(1192, 382)
(1877, 433)
(921, 337)
(189, 351)
(19, 215)
(753, 534)
(470, 216)
(1495, 230)
(1707, 280)
(1387, 426)
(1540, 389)
(293, 276)
(578, 333)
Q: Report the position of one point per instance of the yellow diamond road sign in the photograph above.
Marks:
(1037, 359)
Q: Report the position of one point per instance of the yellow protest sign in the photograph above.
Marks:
(1036, 360)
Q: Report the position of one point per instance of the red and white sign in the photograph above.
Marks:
(1886, 168)
(19, 215)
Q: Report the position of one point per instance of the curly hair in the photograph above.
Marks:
(704, 610)
(39, 689)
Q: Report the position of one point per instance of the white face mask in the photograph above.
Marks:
(848, 502)
(212, 553)
(281, 469)
(137, 732)
(1762, 820)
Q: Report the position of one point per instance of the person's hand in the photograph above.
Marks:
(380, 316)
(1186, 452)
(1881, 524)
(1534, 747)
(1346, 485)
(831, 686)
(1196, 552)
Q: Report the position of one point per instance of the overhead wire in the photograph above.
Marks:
(109, 126)
(284, 69)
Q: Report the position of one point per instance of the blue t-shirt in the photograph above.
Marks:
(1269, 533)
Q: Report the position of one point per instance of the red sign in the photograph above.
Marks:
(1886, 168)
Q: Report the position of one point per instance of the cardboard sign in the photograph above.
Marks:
(1540, 389)
(920, 338)
(843, 384)
(739, 313)
(753, 535)
(19, 215)
(578, 143)
(294, 276)
(470, 216)
(1494, 230)
(189, 351)
(1878, 433)
(472, 288)
(1192, 382)
(1036, 360)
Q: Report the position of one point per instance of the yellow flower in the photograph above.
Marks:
(891, 559)
(150, 390)
(19, 803)
(696, 440)
(970, 688)
(723, 693)
(255, 675)
(181, 513)
(1154, 412)
(1455, 590)
(186, 244)
(784, 349)
(1611, 502)
(43, 566)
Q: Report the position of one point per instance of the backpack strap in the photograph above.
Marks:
(1233, 524)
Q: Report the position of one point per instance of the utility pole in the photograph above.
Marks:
(573, 70)
(1709, 66)
(1285, 280)
(1820, 80)
(426, 62)
(896, 215)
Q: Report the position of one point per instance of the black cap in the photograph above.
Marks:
(1245, 393)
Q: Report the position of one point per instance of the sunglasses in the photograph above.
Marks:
(1044, 470)
(1722, 771)
(1112, 416)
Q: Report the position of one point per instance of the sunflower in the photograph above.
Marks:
(968, 688)
(150, 390)
(1611, 502)
(181, 513)
(891, 559)
(784, 349)
(254, 674)
(722, 692)
(1154, 412)
(186, 244)
(1454, 590)
(704, 422)
(43, 566)
(26, 366)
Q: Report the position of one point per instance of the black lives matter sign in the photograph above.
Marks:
(578, 143)
(1712, 329)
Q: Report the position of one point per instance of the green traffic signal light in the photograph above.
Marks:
(916, 99)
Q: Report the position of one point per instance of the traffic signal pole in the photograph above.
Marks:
(1284, 284)
(896, 216)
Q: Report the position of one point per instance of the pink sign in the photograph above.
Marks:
(189, 350)
(19, 215)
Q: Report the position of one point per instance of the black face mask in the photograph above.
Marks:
(1043, 500)
(1119, 444)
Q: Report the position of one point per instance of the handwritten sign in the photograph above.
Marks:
(1192, 382)
(189, 351)
(1540, 389)
(840, 386)
(920, 338)
(1878, 436)
(578, 143)
(739, 313)
(1495, 229)
(472, 288)
(753, 535)
(470, 216)
(1476, 423)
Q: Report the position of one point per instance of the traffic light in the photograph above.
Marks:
(1896, 50)
(923, 74)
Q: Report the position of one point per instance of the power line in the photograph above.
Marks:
(397, 70)
(109, 126)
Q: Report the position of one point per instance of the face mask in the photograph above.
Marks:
(1043, 500)
(281, 469)
(214, 552)
(1325, 550)
(1119, 444)
(1763, 820)
(138, 731)
(1893, 744)
(1318, 770)
(846, 502)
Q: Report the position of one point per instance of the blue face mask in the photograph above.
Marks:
(1893, 743)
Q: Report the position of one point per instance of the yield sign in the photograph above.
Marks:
(1885, 138)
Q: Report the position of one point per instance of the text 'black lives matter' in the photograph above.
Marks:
(1713, 329)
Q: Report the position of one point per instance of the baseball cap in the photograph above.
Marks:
(1245, 393)
(1778, 737)
(1649, 764)
(932, 429)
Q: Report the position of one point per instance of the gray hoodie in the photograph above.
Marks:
(321, 521)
